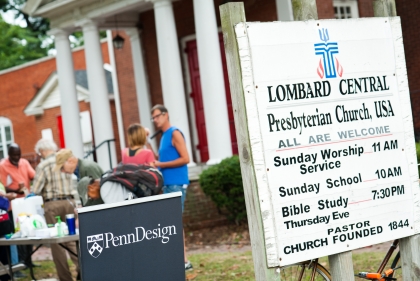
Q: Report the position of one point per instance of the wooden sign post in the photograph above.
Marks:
(231, 14)
(409, 246)
(384, 8)
(316, 140)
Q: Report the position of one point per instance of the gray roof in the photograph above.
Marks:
(81, 79)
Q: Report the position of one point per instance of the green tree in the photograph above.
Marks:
(38, 25)
(18, 45)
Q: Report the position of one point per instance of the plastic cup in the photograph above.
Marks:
(71, 223)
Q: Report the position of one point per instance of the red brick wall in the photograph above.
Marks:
(79, 62)
(18, 87)
(365, 8)
(126, 82)
(325, 9)
(151, 61)
(408, 11)
(200, 211)
(255, 10)
(105, 53)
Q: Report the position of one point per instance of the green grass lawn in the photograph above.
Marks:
(222, 266)
(227, 266)
(370, 262)
(239, 266)
(46, 271)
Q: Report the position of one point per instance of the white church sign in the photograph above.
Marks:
(331, 129)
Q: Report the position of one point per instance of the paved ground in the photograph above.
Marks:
(43, 253)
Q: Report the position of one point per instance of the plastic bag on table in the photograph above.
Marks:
(30, 223)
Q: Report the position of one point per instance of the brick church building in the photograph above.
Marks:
(172, 54)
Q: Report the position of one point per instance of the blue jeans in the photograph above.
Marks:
(175, 188)
(14, 254)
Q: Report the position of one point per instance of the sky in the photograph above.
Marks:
(9, 17)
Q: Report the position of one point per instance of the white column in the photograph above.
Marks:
(142, 90)
(212, 82)
(68, 94)
(99, 99)
(284, 10)
(170, 69)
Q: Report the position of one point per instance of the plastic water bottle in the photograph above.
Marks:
(59, 227)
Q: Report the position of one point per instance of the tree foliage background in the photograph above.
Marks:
(37, 25)
(19, 44)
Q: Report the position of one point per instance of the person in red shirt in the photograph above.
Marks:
(137, 152)
(15, 172)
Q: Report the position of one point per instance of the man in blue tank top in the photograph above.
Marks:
(173, 158)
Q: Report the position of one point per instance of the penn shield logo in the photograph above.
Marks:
(328, 66)
(95, 244)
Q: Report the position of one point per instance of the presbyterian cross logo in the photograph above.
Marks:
(327, 67)
(95, 244)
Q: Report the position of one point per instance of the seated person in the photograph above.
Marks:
(110, 192)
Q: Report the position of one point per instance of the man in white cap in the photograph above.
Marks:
(85, 170)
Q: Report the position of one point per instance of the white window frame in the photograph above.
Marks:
(354, 8)
(5, 122)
